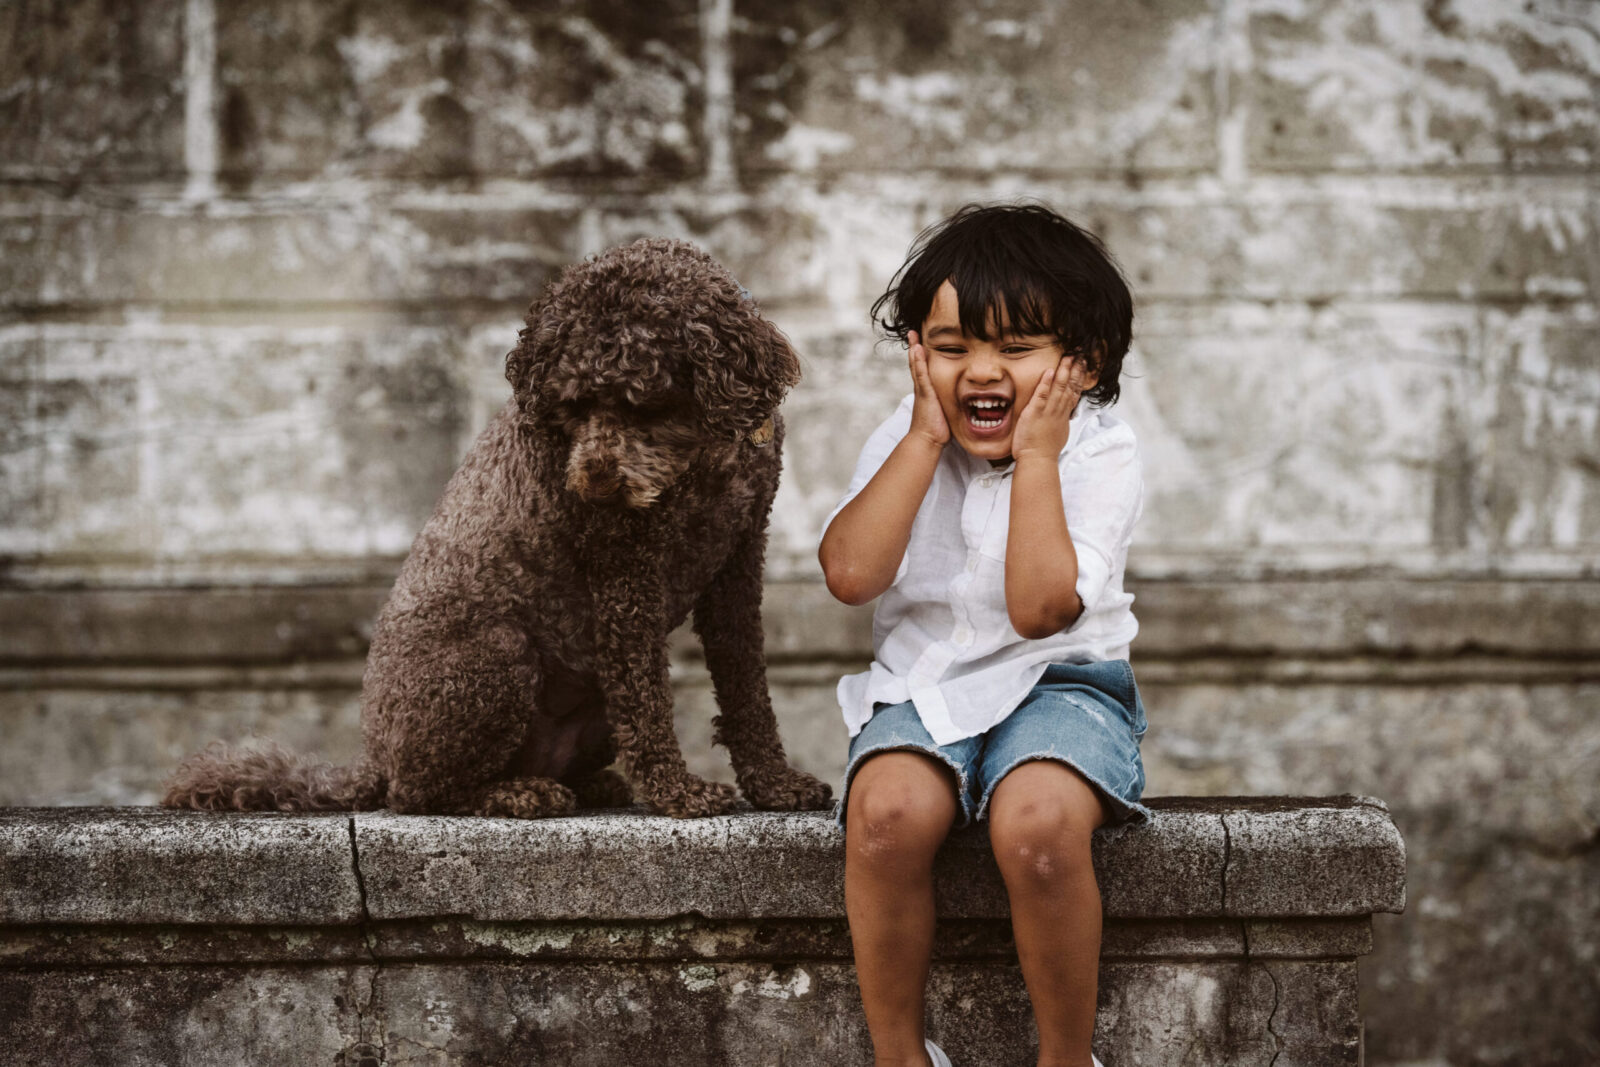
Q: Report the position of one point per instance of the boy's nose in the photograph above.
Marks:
(984, 367)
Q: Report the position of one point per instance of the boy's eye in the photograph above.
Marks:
(1008, 350)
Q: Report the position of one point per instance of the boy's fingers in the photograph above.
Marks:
(1055, 386)
(919, 371)
(1080, 372)
(1074, 378)
(1041, 392)
(1074, 387)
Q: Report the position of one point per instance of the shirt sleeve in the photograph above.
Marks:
(1102, 491)
(874, 453)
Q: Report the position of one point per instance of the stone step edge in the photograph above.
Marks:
(1240, 857)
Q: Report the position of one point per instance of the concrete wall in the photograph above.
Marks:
(260, 264)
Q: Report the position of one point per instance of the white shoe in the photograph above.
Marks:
(936, 1054)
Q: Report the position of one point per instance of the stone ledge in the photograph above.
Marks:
(1234, 928)
(147, 865)
(1240, 858)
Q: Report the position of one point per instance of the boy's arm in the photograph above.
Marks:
(1041, 561)
(865, 542)
(863, 545)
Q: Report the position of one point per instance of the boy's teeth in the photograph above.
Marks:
(987, 414)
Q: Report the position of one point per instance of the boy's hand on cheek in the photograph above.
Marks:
(1045, 422)
(927, 417)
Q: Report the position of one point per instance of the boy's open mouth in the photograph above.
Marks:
(987, 416)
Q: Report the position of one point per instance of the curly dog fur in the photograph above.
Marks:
(625, 486)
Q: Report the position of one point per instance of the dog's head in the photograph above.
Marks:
(641, 358)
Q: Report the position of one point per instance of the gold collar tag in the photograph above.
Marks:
(763, 434)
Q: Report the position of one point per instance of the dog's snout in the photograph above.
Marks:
(596, 478)
(603, 478)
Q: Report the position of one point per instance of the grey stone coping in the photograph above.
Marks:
(147, 865)
(1325, 857)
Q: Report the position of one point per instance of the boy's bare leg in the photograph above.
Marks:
(1042, 815)
(901, 807)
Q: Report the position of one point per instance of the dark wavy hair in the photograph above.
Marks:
(1046, 275)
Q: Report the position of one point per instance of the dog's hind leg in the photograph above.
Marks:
(448, 712)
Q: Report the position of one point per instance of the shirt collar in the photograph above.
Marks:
(1082, 416)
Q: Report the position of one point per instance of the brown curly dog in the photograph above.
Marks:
(625, 485)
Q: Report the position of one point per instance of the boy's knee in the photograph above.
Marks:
(1038, 829)
(1041, 843)
(899, 813)
(895, 814)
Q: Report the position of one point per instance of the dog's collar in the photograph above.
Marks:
(763, 434)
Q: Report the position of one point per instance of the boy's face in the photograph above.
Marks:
(983, 385)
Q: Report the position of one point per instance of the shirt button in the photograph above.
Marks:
(972, 565)
(987, 480)
(963, 633)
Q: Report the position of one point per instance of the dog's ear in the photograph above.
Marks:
(743, 378)
(528, 365)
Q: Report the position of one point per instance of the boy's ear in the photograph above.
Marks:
(1094, 358)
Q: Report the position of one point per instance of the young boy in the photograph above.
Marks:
(992, 512)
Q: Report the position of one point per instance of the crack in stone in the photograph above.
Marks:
(1227, 856)
(1277, 996)
(1277, 993)
(1249, 958)
(361, 882)
(367, 939)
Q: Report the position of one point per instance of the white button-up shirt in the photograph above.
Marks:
(941, 636)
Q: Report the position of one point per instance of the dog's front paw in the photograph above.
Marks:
(689, 797)
(786, 789)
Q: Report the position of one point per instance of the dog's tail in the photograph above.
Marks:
(269, 777)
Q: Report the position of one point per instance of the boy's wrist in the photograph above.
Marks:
(1034, 459)
(924, 445)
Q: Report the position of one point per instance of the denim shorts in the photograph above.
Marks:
(1086, 715)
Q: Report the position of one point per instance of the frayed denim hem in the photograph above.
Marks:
(1124, 812)
(963, 801)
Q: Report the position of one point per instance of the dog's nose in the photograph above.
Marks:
(601, 480)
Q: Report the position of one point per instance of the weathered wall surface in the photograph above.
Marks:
(136, 937)
(260, 263)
